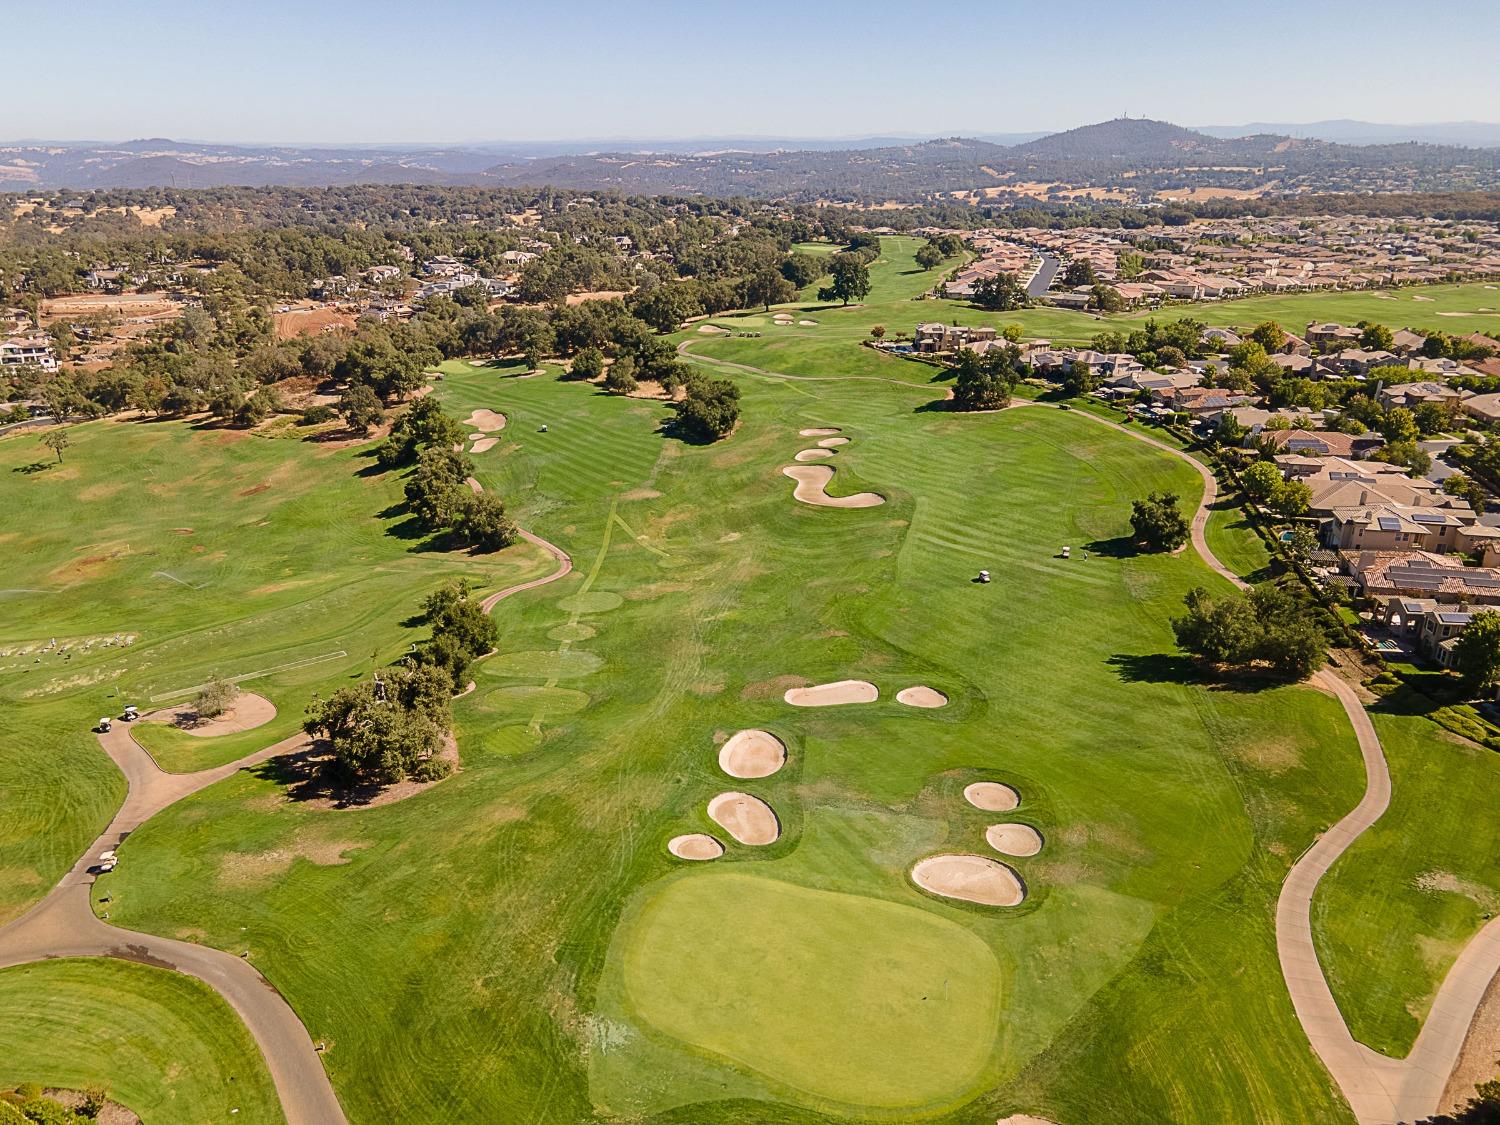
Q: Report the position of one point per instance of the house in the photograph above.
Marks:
(1404, 342)
(1332, 490)
(1357, 361)
(36, 350)
(1421, 574)
(1324, 443)
(1393, 527)
(938, 337)
(377, 274)
(1294, 364)
(1484, 408)
(1222, 339)
(1482, 540)
(1331, 336)
(1415, 394)
(1403, 615)
(1438, 631)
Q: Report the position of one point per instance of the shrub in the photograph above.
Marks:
(318, 415)
(214, 698)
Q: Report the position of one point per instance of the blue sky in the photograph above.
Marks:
(463, 70)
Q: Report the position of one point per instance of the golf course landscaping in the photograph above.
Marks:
(680, 875)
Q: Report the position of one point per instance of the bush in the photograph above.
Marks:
(214, 698)
(1158, 522)
(711, 409)
(318, 415)
(621, 377)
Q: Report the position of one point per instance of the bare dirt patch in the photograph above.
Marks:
(311, 322)
(919, 695)
(696, 846)
(595, 295)
(812, 482)
(991, 796)
(834, 694)
(249, 711)
(772, 688)
(752, 753)
(748, 819)
(1013, 839)
(973, 878)
(240, 869)
(308, 780)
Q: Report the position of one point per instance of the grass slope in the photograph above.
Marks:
(216, 551)
(164, 1045)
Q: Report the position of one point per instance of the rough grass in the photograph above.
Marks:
(164, 531)
(1394, 912)
(164, 1045)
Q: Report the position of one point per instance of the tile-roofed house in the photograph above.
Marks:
(1393, 527)
(1414, 394)
(1405, 342)
(1324, 443)
(1423, 574)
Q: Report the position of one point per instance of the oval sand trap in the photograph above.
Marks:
(831, 442)
(972, 878)
(919, 695)
(834, 694)
(813, 479)
(752, 753)
(1014, 839)
(818, 431)
(813, 454)
(484, 444)
(695, 845)
(748, 819)
(991, 796)
(486, 420)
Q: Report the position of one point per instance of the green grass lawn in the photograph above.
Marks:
(164, 1045)
(483, 919)
(1395, 911)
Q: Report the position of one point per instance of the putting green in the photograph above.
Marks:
(851, 999)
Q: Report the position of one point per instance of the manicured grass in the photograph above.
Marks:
(1235, 542)
(477, 918)
(164, 1045)
(217, 551)
(1395, 911)
(842, 997)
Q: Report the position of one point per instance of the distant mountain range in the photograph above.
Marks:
(1472, 134)
(1156, 153)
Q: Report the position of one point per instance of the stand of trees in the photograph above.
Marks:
(386, 728)
(461, 631)
(985, 382)
(1158, 522)
(1000, 293)
(1267, 629)
(710, 409)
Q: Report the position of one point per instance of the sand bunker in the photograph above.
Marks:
(814, 454)
(991, 796)
(818, 431)
(695, 845)
(807, 322)
(486, 420)
(748, 819)
(484, 443)
(919, 695)
(1014, 839)
(812, 480)
(712, 330)
(1427, 299)
(972, 878)
(1024, 1119)
(752, 753)
(832, 442)
(248, 712)
(834, 694)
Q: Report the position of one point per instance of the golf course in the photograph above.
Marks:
(519, 942)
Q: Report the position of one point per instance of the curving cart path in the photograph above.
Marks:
(1380, 1090)
(63, 924)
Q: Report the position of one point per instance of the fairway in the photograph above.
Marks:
(857, 1001)
(531, 934)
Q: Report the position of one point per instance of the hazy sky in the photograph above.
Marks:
(466, 70)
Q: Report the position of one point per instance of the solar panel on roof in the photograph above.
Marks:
(1429, 517)
(1454, 618)
(1389, 523)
